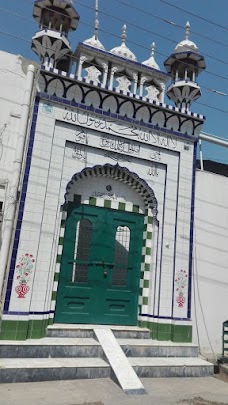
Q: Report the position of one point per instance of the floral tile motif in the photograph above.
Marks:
(24, 269)
(181, 282)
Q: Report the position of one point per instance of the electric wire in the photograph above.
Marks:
(208, 89)
(174, 24)
(135, 43)
(195, 15)
(120, 74)
(207, 72)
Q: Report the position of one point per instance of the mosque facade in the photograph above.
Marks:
(99, 212)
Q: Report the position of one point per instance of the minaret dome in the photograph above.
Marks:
(184, 65)
(56, 18)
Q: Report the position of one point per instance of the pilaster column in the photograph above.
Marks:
(142, 82)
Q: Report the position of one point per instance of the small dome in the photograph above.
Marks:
(123, 51)
(186, 45)
(151, 62)
(94, 42)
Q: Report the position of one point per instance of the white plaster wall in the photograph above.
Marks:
(13, 70)
(12, 84)
(210, 260)
(53, 165)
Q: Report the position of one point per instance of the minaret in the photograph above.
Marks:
(56, 18)
(184, 65)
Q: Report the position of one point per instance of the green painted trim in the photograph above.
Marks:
(146, 267)
(135, 208)
(22, 330)
(58, 258)
(145, 300)
(146, 284)
(54, 295)
(122, 206)
(92, 201)
(107, 203)
(172, 332)
(37, 328)
(61, 240)
(181, 333)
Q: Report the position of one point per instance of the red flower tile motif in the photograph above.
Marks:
(181, 282)
(24, 269)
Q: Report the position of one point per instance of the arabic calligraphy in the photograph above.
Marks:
(79, 153)
(120, 145)
(153, 171)
(107, 196)
(113, 126)
(117, 157)
(81, 137)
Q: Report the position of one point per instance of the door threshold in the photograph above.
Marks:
(66, 326)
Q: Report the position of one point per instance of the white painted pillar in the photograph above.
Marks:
(105, 76)
(135, 77)
(111, 79)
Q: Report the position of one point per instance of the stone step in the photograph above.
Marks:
(155, 348)
(151, 367)
(87, 331)
(34, 370)
(51, 347)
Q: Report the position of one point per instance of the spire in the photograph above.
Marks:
(124, 34)
(187, 30)
(94, 41)
(123, 51)
(151, 62)
(96, 20)
(153, 46)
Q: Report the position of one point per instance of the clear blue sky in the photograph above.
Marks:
(143, 27)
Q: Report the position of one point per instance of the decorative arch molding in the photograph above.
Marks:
(79, 91)
(122, 174)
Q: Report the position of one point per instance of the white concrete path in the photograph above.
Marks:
(123, 371)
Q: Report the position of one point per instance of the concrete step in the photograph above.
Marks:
(171, 367)
(34, 370)
(51, 347)
(155, 348)
(87, 331)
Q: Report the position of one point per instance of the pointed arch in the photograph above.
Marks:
(122, 174)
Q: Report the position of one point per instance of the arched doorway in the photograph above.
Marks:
(102, 254)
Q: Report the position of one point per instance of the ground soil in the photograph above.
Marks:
(200, 401)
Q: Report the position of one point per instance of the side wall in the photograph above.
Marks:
(210, 260)
(12, 84)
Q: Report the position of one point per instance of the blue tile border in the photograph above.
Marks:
(175, 237)
(162, 239)
(165, 317)
(27, 313)
(73, 104)
(192, 229)
(21, 207)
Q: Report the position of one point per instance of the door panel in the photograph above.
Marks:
(100, 267)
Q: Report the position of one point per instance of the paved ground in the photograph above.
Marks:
(161, 391)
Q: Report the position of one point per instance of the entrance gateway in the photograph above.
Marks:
(100, 267)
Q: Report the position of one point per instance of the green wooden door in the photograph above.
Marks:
(100, 267)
